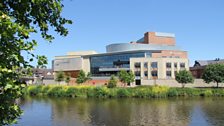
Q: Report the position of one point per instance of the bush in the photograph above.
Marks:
(159, 91)
(123, 92)
(207, 92)
(112, 82)
(101, 92)
(70, 92)
(172, 92)
(104, 92)
(56, 91)
(34, 90)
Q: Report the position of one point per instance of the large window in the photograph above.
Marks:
(146, 73)
(168, 74)
(182, 65)
(138, 65)
(154, 73)
(175, 65)
(146, 65)
(154, 65)
(117, 61)
(137, 73)
(168, 65)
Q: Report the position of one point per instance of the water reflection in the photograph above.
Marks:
(122, 112)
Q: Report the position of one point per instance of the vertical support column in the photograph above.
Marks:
(172, 70)
(178, 66)
(149, 70)
(142, 70)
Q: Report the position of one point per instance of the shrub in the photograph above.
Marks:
(207, 92)
(101, 92)
(172, 92)
(159, 91)
(56, 91)
(45, 89)
(70, 92)
(34, 90)
(123, 92)
(112, 82)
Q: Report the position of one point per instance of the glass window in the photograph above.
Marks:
(182, 65)
(146, 73)
(168, 74)
(154, 73)
(168, 65)
(175, 65)
(137, 73)
(145, 65)
(137, 65)
(121, 60)
(148, 54)
(154, 65)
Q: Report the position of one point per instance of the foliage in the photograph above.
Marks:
(88, 77)
(67, 79)
(214, 73)
(126, 77)
(82, 77)
(60, 76)
(18, 20)
(112, 82)
(184, 77)
(136, 92)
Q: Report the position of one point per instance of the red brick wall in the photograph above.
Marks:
(151, 38)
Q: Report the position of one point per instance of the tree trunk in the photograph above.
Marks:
(217, 84)
(183, 85)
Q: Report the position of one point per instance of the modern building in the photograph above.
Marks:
(199, 66)
(155, 56)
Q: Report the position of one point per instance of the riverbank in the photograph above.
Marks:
(136, 92)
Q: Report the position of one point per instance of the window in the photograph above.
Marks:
(137, 73)
(168, 74)
(137, 65)
(154, 65)
(175, 65)
(182, 65)
(146, 65)
(146, 73)
(154, 73)
(148, 54)
(168, 65)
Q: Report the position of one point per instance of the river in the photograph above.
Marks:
(44, 111)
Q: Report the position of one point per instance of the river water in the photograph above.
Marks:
(39, 111)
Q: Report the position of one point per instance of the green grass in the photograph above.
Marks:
(118, 92)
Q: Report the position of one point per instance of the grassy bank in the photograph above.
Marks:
(136, 92)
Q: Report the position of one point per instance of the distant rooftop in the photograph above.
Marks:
(207, 62)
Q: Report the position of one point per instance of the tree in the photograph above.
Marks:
(126, 77)
(184, 77)
(214, 73)
(82, 77)
(112, 82)
(18, 20)
(67, 79)
(88, 77)
(60, 76)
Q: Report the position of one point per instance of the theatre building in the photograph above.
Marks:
(153, 57)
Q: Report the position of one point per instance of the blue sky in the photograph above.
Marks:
(198, 25)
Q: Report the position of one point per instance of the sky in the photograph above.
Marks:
(197, 24)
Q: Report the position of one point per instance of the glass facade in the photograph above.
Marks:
(111, 63)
